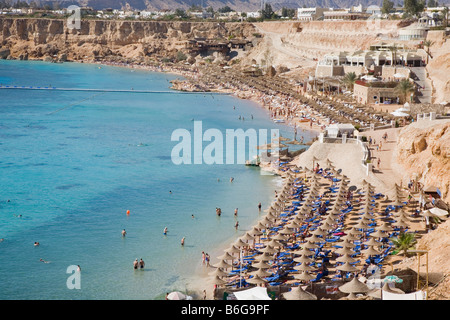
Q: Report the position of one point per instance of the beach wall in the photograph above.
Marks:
(28, 38)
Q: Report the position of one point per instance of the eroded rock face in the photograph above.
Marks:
(100, 38)
(426, 152)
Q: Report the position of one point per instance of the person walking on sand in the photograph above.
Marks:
(378, 163)
(203, 257)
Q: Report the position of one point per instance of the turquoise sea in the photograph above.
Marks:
(73, 162)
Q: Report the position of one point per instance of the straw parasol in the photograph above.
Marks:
(226, 256)
(303, 259)
(315, 238)
(304, 252)
(344, 250)
(218, 272)
(264, 257)
(303, 276)
(222, 264)
(297, 293)
(218, 281)
(310, 245)
(379, 234)
(354, 286)
(261, 272)
(346, 258)
(384, 227)
(347, 267)
(261, 265)
(274, 244)
(256, 280)
(371, 242)
(268, 249)
(371, 251)
(239, 243)
(304, 267)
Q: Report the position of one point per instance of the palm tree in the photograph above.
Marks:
(404, 88)
(428, 44)
(445, 14)
(349, 79)
(404, 242)
(394, 50)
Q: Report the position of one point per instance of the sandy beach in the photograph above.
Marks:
(341, 169)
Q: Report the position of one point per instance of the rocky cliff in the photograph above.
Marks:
(424, 149)
(44, 38)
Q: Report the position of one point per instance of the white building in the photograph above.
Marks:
(310, 14)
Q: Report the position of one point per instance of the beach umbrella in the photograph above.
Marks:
(255, 232)
(262, 273)
(261, 265)
(222, 264)
(371, 251)
(384, 227)
(284, 231)
(233, 249)
(347, 244)
(360, 225)
(319, 232)
(303, 276)
(226, 256)
(256, 280)
(401, 223)
(310, 245)
(280, 236)
(349, 237)
(344, 250)
(264, 257)
(239, 243)
(304, 258)
(247, 237)
(297, 293)
(354, 231)
(315, 239)
(347, 267)
(304, 267)
(354, 286)
(346, 258)
(304, 252)
(371, 242)
(218, 281)
(218, 272)
(379, 234)
(274, 244)
(268, 249)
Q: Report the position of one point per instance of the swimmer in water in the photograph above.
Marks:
(124, 233)
(235, 212)
(165, 231)
(42, 260)
(182, 241)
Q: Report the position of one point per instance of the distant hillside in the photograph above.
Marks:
(238, 5)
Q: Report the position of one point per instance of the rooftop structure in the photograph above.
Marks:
(310, 14)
